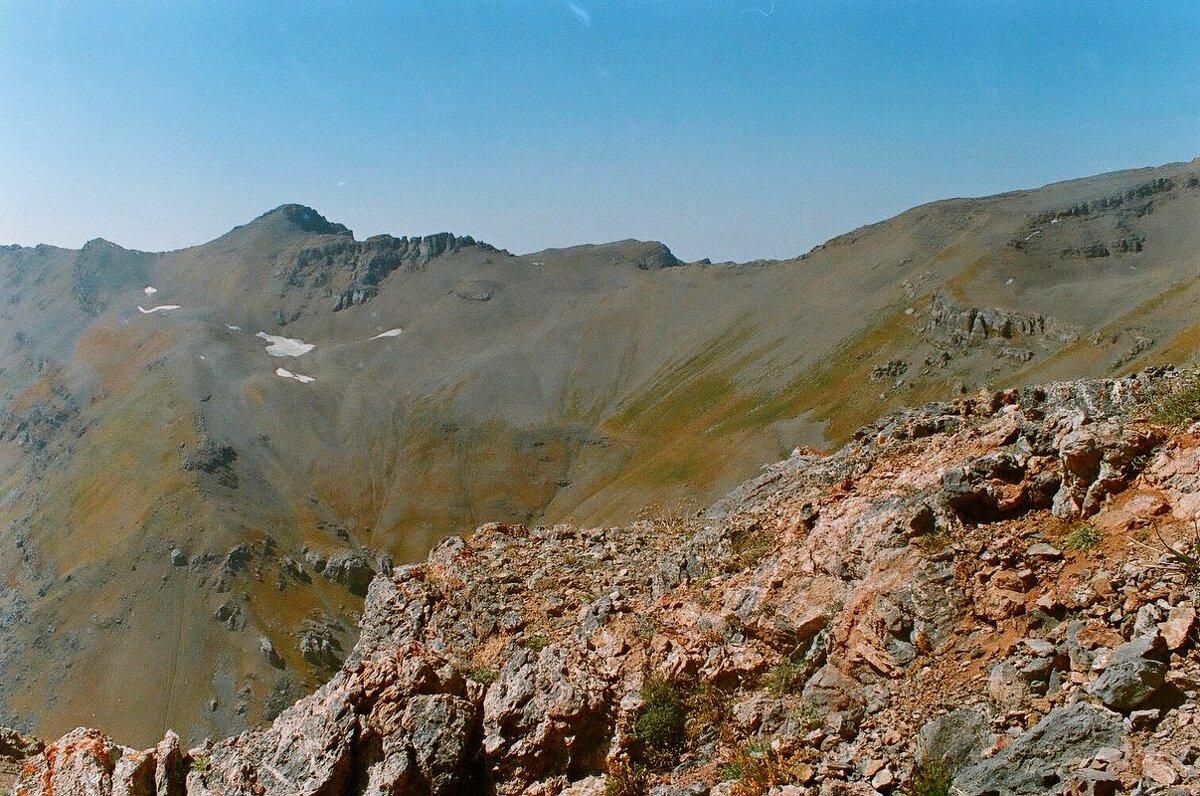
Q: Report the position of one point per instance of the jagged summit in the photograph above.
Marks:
(303, 219)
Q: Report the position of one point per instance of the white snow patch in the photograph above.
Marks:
(159, 308)
(287, 374)
(1054, 221)
(233, 328)
(150, 291)
(389, 333)
(285, 346)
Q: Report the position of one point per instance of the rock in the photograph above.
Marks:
(267, 649)
(1179, 626)
(884, 780)
(957, 739)
(1040, 758)
(1163, 769)
(440, 729)
(1043, 551)
(351, 570)
(14, 749)
(81, 762)
(1133, 674)
(178, 558)
(170, 772)
(548, 713)
(1039, 647)
(320, 647)
(1144, 719)
(1094, 783)
(1006, 687)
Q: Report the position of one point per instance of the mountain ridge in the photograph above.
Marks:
(458, 384)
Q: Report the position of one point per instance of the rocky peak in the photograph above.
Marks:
(996, 594)
(304, 219)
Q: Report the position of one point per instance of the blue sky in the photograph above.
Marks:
(727, 130)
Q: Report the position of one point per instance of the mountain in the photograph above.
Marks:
(206, 454)
(991, 596)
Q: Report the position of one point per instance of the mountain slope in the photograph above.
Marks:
(978, 594)
(173, 505)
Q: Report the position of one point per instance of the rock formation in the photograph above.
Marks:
(996, 594)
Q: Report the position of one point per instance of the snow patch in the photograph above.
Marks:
(159, 308)
(287, 374)
(150, 291)
(285, 346)
(233, 328)
(389, 333)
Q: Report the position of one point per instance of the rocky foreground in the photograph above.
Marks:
(991, 596)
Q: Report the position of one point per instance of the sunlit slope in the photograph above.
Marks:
(171, 504)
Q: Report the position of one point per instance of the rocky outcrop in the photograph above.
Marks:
(952, 323)
(364, 265)
(14, 750)
(927, 605)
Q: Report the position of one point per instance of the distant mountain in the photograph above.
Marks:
(205, 454)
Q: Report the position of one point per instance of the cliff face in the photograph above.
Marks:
(997, 592)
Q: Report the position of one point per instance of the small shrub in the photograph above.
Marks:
(784, 677)
(1185, 557)
(747, 550)
(536, 642)
(625, 779)
(929, 779)
(481, 674)
(199, 763)
(806, 717)
(669, 521)
(757, 769)
(1180, 406)
(1082, 537)
(647, 628)
(661, 725)
(706, 707)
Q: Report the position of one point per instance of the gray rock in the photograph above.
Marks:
(1043, 550)
(1133, 674)
(957, 739)
(270, 655)
(178, 558)
(439, 729)
(351, 570)
(1038, 762)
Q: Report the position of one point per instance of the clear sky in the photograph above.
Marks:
(728, 130)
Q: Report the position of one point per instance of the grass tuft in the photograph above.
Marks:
(1180, 406)
(929, 779)
(1082, 537)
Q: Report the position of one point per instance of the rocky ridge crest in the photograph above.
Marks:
(998, 592)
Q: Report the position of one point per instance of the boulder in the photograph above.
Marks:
(1039, 760)
(1133, 674)
(956, 740)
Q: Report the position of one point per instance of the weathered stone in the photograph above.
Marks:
(267, 649)
(957, 739)
(1163, 769)
(1133, 674)
(1177, 630)
(1090, 782)
(441, 729)
(1038, 761)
